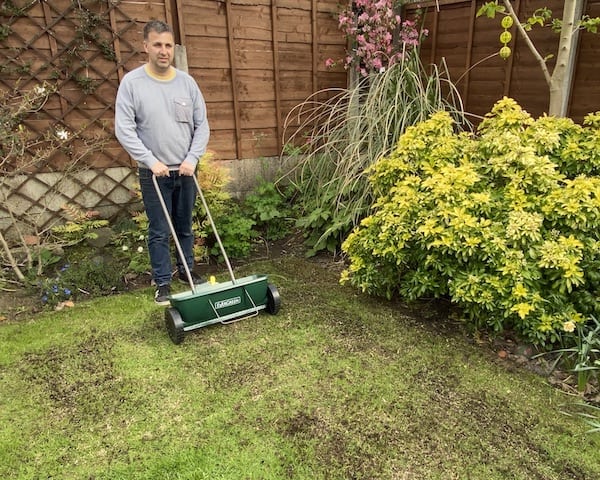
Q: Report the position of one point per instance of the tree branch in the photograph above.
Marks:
(529, 43)
(11, 260)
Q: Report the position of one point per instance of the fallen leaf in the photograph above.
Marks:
(31, 239)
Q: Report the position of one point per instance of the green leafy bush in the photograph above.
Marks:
(85, 274)
(233, 226)
(268, 208)
(505, 222)
(96, 275)
(130, 243)
(81, 225)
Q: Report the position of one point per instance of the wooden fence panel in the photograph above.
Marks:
(251, 58)
(469, 46)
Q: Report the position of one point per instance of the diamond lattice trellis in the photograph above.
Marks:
(82, 48)
(38, 201)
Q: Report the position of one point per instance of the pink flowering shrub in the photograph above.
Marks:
(370, 24)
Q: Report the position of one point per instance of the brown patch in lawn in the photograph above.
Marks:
(75, 379)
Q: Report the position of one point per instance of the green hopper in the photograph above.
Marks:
(218, 302)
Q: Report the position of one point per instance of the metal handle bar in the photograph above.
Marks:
(173, 233)
(176, 240)
(212, 224)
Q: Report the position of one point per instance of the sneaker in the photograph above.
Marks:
(183, 278)
(161, 296)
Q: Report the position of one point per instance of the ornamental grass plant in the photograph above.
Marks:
(338, 139)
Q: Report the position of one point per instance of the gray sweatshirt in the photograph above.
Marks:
(157, 120)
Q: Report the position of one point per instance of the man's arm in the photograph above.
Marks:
(126, 131)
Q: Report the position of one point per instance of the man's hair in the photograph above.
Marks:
(157, 26)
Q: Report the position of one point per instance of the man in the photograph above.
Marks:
(160, 120)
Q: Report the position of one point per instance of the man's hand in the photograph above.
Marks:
(186, 170)
(160, 170)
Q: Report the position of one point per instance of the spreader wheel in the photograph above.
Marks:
(273, 299)
(174, 325)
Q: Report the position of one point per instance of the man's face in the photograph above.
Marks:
(160, 47)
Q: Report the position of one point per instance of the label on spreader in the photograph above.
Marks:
(229, 302)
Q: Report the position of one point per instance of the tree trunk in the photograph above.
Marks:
(557, 106)
(560, 84)
(560, 81)
(11, 260)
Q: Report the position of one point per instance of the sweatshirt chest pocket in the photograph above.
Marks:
(183, 110)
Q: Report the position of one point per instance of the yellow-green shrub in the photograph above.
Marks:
(505, 222)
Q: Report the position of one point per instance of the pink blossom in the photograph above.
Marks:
(329, 62)
(371, 25)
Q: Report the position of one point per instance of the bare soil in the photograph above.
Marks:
(19, 302)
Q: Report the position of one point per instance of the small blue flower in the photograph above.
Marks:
(45, 299)
(67, 292)
(64, 267)
(55, 288)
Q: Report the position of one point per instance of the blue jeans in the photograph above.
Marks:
(179, 194)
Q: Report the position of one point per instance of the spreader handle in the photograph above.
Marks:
(173, 233)
(212, 224)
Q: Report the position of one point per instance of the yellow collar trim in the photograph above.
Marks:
(170, 75)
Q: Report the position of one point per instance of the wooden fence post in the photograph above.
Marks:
(234, 81)
(180, 58)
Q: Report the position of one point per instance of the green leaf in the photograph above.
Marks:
(490, 9)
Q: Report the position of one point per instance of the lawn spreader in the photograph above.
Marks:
(215, 302)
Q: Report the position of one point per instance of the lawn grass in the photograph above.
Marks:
(336, 386)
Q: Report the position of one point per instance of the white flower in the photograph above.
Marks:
(62, 134)
(140, 249)
(40, 90)
(141, 237)
(569, 326)
(125, 248)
